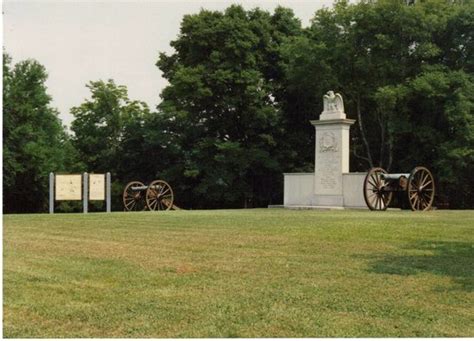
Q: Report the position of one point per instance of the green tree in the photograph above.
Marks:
(34, 141)
(108, 134)
(434, 112)
(221, 107)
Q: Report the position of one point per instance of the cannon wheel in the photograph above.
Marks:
(159, 196)
(375, 197)
(133, 200)
(421, 189)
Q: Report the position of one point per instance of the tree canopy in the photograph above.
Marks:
(221, 107)
(108, 134)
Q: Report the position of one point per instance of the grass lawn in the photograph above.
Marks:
(239, 273)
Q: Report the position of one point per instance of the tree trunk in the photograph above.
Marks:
(362, 133)
(390, 153)
(382, 138)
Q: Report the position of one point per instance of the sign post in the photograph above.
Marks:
(108, 184)
(51, 193)
(85, 199)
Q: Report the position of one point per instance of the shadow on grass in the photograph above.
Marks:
(453, 259)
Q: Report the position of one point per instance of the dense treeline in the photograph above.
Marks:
(243, 86)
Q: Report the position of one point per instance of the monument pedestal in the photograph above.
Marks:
(331, 160)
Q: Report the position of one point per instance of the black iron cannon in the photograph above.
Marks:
(417, 188)
(157, 196)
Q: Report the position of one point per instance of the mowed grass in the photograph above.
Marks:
(239, 273)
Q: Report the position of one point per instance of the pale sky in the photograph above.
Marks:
(80, 41)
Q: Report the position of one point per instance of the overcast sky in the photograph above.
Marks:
(80, 41)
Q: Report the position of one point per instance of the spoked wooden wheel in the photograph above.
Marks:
(376, 198)
(159, 196)
(134, 200)
(421, 189)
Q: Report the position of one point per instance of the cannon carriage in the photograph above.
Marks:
(417, 188)
(157, 196)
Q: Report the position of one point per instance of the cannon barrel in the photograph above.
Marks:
(144, 188)
(394, 176)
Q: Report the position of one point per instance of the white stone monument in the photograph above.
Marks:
(331, 185)
(332, 151)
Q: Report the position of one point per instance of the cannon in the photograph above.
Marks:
(157, 196)
(416, 188)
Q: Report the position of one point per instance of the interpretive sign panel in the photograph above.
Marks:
(68, 187)
(83, 187)
(96, 186)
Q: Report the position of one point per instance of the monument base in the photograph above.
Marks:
(325, 208)
(329, 200)
(318, 208)
(299, 192)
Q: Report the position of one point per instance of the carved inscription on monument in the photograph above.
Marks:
(328, 164)
(328, 170)
(68, 187)
(96, 187)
